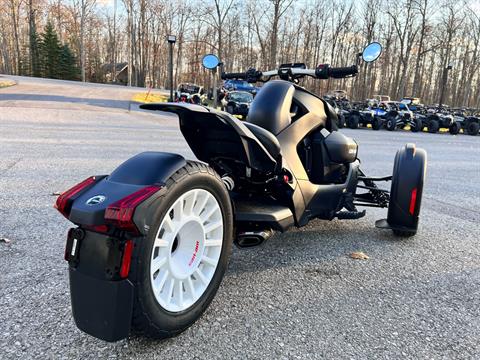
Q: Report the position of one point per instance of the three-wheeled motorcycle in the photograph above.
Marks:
(151, 240)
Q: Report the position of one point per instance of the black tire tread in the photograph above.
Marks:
(141, 322)
(401, 233)
(473, 128)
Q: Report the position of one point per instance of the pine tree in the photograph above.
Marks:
(35, 69)
(68, 69)
(50, 53)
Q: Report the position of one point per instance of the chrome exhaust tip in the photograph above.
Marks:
(252, 238)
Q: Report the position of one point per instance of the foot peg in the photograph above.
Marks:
(350, 215)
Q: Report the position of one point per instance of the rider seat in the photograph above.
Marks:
(266, 138)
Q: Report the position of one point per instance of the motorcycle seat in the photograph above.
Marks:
(266, 138)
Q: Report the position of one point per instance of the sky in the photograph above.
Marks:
(473, 4)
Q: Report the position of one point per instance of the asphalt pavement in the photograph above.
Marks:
(298, 296)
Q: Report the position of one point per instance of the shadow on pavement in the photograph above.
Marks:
(108, 103)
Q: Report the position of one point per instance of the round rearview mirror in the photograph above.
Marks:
(371, 52)
(210, 61)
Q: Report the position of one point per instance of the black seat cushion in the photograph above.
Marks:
(268, 140)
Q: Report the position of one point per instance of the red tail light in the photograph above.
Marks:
(127, 259)
(120, 213)
(413, 201)
(64, 203)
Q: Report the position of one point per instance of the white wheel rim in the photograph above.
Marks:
(187, 250)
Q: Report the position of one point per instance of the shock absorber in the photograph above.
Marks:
(228, 182)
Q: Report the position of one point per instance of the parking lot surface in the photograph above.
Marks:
(299, 295)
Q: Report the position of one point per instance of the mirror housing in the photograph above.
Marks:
(210, 61)
(372, 52)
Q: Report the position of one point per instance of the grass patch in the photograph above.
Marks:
(6, 83)
(149, 98)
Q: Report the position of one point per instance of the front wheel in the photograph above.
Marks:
(406, 190)
(182, 260)
(391, 123)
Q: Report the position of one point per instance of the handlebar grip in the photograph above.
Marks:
(226, 76)
(341, 72)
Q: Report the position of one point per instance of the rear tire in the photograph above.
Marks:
(472, 128)
(418, 125)
(433, 126)
(189, 240)
(454, 128)
(341, 121)
(401, 233)
(376, 123)
(353, 121)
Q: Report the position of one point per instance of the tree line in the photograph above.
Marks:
(421, 39)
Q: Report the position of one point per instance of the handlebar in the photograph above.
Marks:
(342, 72)
(226, 76)
(323, 71)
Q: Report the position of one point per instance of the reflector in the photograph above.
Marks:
(413, 201)
(126, 260)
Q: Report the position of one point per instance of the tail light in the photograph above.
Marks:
(120, 213)
(64, 201)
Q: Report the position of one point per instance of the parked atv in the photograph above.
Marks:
(458, 119)
(436, 119)
(151, 241)
(239, 85)
(465, 119)
(237, 103)
(362, 115)
(399, 116)
(471, 125)
(190, 93)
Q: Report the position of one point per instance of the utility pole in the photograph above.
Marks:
(444, 84)
(114, 50)
(171, 41)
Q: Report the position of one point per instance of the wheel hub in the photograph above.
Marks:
(187, 249)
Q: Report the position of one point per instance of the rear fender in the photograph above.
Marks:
(144, 169)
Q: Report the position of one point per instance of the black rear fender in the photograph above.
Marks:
(144, 169)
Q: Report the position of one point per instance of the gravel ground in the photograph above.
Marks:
(297, 296)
